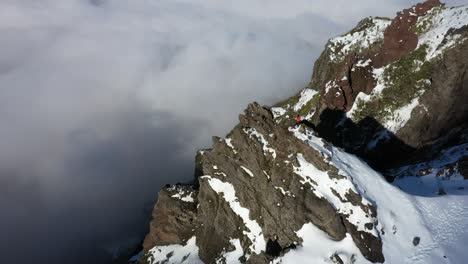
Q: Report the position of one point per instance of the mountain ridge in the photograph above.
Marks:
(273, 191)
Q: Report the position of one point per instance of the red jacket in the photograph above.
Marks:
(298, 118)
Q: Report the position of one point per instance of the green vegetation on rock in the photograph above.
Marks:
(362, 26)
(305, 110)
(425, 23)
(404, 80)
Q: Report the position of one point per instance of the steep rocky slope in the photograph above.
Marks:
(275, 192)
(378, 88)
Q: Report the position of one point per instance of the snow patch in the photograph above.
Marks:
(254, 232)
(254, 134)
(443, 21)
(330, 85)
(175, 254)
(229, 144)
(284, 192)
(334, 191)
(306, 95)
(247, 171)
(362, 63)
(358, 40)
(317, 247)
(277, 112)
(232, 257)
(401, 116)
(362, 98)
(186, 197)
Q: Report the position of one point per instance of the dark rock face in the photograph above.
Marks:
(173, 218)
(463, 167)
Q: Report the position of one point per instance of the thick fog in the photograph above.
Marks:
(104, 101)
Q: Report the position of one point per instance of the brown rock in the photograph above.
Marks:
(398, 39)
(173, 219)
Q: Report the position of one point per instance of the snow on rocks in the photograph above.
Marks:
(362, 98)
(186, 197)
(443, 22)
(343, 45)
(254, 134)
(175, 254)
(228, 142)
(278, 112)
(253, 230)
(398, 225)
(305, 96)
(335, 191)
(363, 63)
(232, 257)
(330, 85)
(284, 192)
(317, 247)
(183, 193)
(401, 116)
(247, 171)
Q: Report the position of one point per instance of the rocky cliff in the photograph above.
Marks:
(389, 93)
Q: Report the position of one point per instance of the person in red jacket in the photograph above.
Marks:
(298, 119)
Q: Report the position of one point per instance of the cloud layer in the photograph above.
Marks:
(103, 101)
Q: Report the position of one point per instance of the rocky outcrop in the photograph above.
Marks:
(256, 187)
(174, 217)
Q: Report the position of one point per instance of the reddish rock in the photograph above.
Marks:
(399, 40)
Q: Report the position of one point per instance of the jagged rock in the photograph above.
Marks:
(174, 217)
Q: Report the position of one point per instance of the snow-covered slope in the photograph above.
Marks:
(409, 210)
